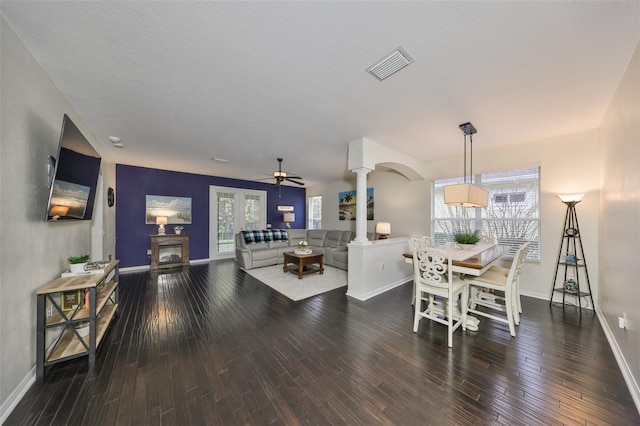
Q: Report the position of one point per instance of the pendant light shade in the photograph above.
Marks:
(466, 194)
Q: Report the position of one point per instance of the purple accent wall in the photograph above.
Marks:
(134, 183)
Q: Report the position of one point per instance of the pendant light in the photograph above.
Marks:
(466, 194)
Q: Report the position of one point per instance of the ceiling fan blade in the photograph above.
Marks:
(295, 181)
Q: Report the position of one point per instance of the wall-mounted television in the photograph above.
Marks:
(75, 176)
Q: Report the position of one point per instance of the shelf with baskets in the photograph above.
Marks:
(95, 303)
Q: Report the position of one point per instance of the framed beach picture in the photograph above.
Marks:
(177, 210)
(69, 200)
(347, 205)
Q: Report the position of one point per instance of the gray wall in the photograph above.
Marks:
(620, 214)
(32, 252)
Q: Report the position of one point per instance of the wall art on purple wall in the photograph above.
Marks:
(176, 209)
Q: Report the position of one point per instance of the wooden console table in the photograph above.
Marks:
(95, 297)
(169, 251)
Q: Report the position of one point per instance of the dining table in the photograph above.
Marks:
(474, 261)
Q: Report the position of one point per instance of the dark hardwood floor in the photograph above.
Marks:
(209, 344)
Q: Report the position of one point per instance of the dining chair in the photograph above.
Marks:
(414, 242)
(433, 278)
(505, 280)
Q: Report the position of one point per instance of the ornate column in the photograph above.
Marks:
(361, 204)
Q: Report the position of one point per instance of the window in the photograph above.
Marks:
(512, 216)
(315, 212)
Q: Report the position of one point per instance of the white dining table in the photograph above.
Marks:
(474, 262)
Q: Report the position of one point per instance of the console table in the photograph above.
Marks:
(169, 251)
(95, 301)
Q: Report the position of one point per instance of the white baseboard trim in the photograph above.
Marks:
(147, 267)
(369, 295)
(634, 390)
(17, 394)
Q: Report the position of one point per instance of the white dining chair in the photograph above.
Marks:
(433, 278)
(505, 281)
(421, 242)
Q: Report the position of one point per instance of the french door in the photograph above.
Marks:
(232, 210)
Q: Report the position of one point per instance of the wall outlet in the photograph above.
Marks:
(622, 321)
(148, 252)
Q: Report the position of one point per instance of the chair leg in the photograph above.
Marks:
(510, 308)
(450, 321)
(515, 306)
(417, 308)
(464, 306)
(473, 291)
(413, 297)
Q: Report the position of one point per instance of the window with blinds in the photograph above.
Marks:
(315, 212)
(512, 216)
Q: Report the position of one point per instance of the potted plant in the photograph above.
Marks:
(302, 248)
(77, 263)
(466, 240)
(178, 229)
(83, 328)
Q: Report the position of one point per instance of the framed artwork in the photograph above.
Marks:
(177, 210)
(347, 205)
(70, 299)
(285, 208)
(69, 199)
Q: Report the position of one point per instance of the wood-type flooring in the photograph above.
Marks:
(209, 344)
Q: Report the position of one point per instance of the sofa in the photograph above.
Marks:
(265, 247)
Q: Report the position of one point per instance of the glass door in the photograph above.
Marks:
(233, 210)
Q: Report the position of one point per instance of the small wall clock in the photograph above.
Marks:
(110, 197)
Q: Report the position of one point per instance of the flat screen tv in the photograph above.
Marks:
(75, 177)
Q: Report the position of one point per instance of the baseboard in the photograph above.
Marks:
(17, 394)
(365, 296)
(634, 390)
(147, 267)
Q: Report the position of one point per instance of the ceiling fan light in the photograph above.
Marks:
(466, 195)
(279, 174)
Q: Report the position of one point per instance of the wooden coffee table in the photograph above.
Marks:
(304, 264)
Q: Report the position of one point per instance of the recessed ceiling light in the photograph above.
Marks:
(219, 160)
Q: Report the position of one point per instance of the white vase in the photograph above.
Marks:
(467, 246)
(178, 231)
(77, 268)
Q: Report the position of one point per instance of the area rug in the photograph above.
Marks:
(298, 289)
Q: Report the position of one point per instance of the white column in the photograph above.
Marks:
(361, 204)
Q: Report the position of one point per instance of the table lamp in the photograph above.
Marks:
(161, 221)
(383, 229)
(288, 218)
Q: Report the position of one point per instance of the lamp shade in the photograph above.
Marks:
(289, 217)
(383, 228)
(571, 198)
(466, 195)
(161, 220)
(59, 211)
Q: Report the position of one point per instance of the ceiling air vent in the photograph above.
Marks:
(393, 62)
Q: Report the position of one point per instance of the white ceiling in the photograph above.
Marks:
(182, 82)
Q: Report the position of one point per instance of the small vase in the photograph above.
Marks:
(178, 231)
(467, 246)
(77, 268)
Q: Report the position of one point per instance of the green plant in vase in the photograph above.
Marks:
(466, 239)
(77, 263)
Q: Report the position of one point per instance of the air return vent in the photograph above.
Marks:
(393, 62)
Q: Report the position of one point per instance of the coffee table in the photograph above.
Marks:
(304, 264)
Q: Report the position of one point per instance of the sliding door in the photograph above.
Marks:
(231, 211)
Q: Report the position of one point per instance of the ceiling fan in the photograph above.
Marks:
(281, 176)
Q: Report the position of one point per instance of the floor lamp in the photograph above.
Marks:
(573, 259)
